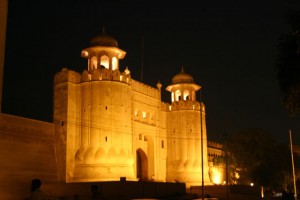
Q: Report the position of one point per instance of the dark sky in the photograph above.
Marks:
(229, 47)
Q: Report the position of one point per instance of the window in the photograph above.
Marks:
(186, 95)
(144, 114)
(114, 63)
(177, 95)
(105, 61)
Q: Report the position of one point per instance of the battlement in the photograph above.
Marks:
(215, 150)
(66, 75)
(105, 74)
(214, 145)
(182, 105)
(145, 89)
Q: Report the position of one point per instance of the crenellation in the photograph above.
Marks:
(144, 89)
(66, 75)
(181, 105)
(214, 145)
(96, 74)
(116, 75)
(106, 74)
(85, 76)
(165, 106)
(100, 74)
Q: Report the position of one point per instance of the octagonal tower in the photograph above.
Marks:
(185, 125)
(92, 115)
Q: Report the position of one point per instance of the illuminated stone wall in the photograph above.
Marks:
(215, 149)
(108, 125)
(184, 143)
(93, 126)
(66, 121)
(27, 152)
(102, 125)
(217, 169)
(149, 133)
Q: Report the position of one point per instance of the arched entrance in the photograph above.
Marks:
(141, 165)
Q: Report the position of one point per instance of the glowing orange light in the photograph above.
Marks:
(84, 53)
(144, 115)
(216, 176)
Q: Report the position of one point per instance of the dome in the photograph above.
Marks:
(104, 40)
(182, 77)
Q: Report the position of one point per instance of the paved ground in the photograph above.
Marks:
(221, 195)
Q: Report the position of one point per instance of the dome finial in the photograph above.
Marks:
(104, 40)
(182, 77)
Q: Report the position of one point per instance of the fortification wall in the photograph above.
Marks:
(144, 89)
(27, 152)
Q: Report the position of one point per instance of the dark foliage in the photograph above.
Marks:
(288, 65)
(259, 159)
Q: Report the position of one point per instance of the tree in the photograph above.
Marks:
(259, 159)
(288, 65)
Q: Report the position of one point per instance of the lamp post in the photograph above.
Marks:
(293, 167)
(226, 158)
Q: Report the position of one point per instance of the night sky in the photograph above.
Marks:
(229, 47)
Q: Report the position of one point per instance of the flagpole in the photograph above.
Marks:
(142, 60)
(292, 155)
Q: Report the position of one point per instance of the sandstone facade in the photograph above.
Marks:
(108, 125)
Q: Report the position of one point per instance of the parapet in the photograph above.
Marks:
(66, 75)
(184, 105)
(145, 89)
(214, 145)
(105, 74)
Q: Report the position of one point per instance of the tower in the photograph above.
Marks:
(185, 124)
(108, 125)
(92, 116)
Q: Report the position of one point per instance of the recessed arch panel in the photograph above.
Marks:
(141, 165)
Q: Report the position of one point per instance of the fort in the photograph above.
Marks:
(111, 126)
(108, 127)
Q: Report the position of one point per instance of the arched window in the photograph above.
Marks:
(186, 95)
(114, 63)
(178, 95)
(104, 61)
